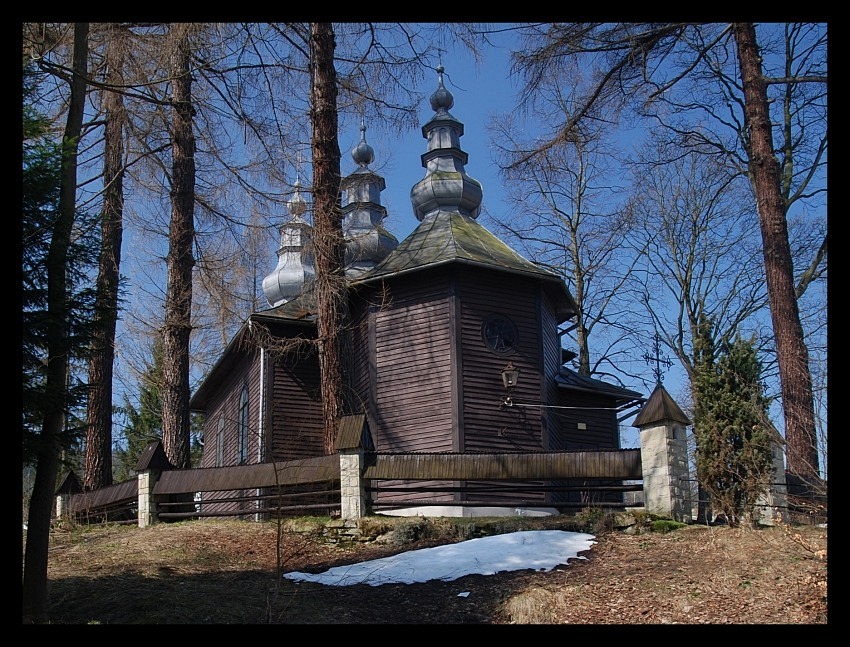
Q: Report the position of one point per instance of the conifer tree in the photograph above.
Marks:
(731, 426)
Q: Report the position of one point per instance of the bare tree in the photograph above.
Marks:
(707, 83)
(694, 233)
(565, 217)
(793, 356)
(329, 241)
(178, 301)
(98, 466)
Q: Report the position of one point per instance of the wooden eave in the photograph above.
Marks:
(234, 352)
(451, 238)
(569, 380)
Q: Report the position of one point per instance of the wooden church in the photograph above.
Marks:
(454, 342)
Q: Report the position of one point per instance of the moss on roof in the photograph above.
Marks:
(449, 237)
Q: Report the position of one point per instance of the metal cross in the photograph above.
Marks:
(658, 359)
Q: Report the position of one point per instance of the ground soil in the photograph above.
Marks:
(229, 572)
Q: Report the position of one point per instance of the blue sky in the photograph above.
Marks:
(479, 92)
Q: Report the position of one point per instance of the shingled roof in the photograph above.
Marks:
(659, 407)
(448, 237)
(569, 379)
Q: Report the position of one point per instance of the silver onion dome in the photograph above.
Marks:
(446, 185)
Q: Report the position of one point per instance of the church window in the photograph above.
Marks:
(243, 426)
(219, 442)
(500, 334)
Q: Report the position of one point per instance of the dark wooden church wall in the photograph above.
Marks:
(551, 344)
(602, 432)
(596, 413)
(413, 369)
(296, 407)
(488, 427)
(226, 406)
(413, 374)
(357, 357)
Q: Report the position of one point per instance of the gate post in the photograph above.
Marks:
(664, 457)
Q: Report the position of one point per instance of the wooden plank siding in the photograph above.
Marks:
(602, 432)
(552, 438)
(296, 424)
(595, 412)
(413, 364)
(225, 406)
(488, 427)
(413, 404)
(357, 350)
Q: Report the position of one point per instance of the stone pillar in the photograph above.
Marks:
(352, 491)
(147, 512)
(62, 504)
(666, 474)
(773, 506)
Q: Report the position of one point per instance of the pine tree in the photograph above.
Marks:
(731, 427)
(144, 420)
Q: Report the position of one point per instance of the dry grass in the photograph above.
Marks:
(229, 572)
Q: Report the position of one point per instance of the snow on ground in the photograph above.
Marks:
(541, 550)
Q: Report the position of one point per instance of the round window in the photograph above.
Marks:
(500, 334)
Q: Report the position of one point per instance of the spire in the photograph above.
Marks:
(363, 154)
(366, 241)
(446, 186)
(294, 268)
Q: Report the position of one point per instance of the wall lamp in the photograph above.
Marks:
(510, 377)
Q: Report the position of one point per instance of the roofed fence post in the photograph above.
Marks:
(69, 486)
(151, 464)
(773, 505)
(664, 457)
(349, 444)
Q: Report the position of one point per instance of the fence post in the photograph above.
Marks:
(349, 443)
(151, 464)
(774, 504)
(69, 485)
(353, 501)
(664, 457)
(147, 513)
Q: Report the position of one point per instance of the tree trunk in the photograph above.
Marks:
(327, 225)
(791, 351)
(98, 468)
(178, 299)
(35, 594)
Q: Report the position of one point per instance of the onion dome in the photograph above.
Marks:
(366, 241)
(294, 268)
(446, 186)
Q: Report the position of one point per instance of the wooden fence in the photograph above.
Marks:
(560, 480)
(313, 485)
